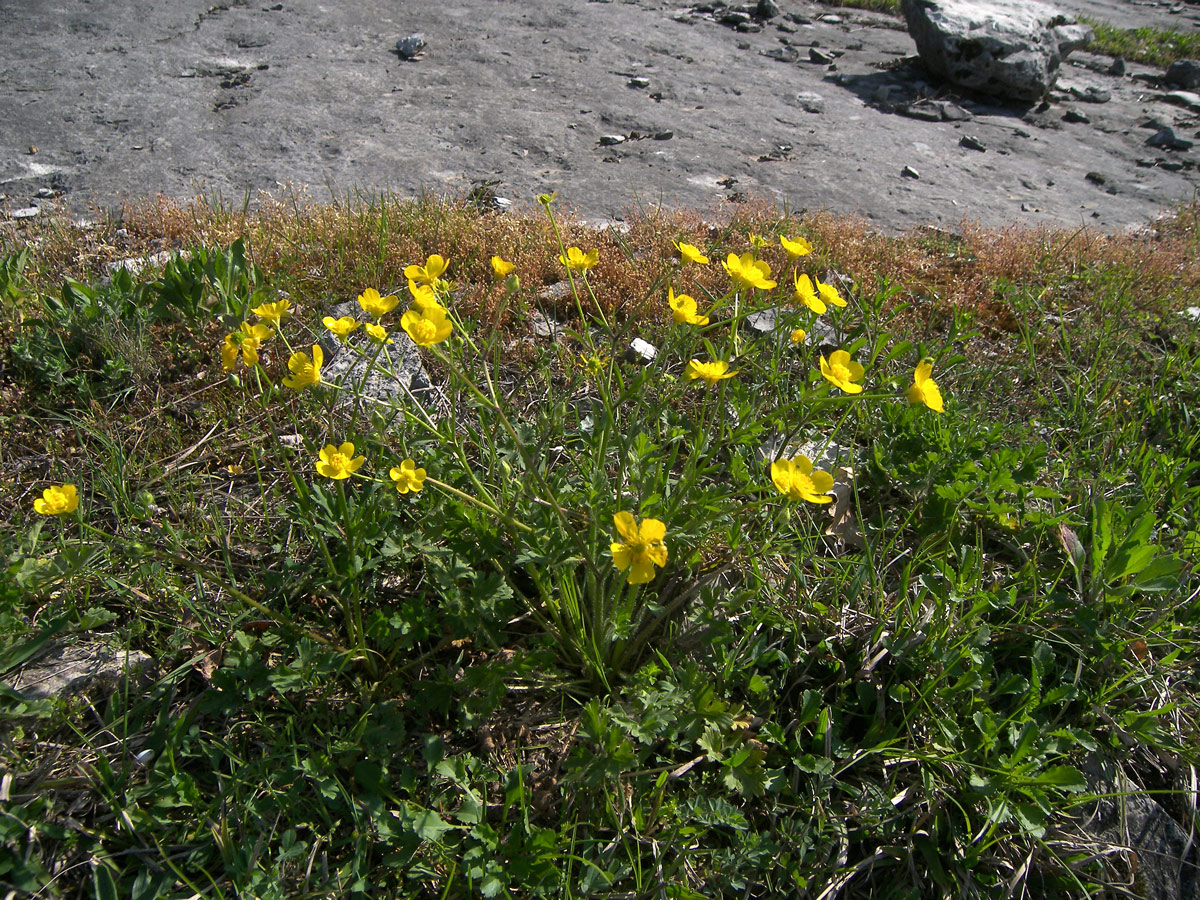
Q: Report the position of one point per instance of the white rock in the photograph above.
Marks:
(1009, 48)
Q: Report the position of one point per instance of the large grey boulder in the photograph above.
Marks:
(1008, 48)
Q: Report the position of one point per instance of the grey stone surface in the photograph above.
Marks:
(1161, 855)
(72, 668)
(1010, 48)
(128, 100)
(391, 374)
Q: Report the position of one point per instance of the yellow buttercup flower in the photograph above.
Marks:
(305, 371)
(829, 294)
(796, 480)
(842, 371)
(272, 313)
(501, 267)
(426, 325)
(342, 327)
(244, 341)
(578, 261)
(375, 306)
(759, 241)
(424, 296)
(57, 500)
(683, 309)
(799, 335)
(748, 271)
(377, 333)
(798, 247)
(641, 547)
(924, 389)
(339, 462)
(430, 273)
(690, 254)
(711, 372)
(407, 477)
(807, 294)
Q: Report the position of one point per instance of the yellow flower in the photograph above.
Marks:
(748, 271)
(593, 364)
(690, 254)
(798, 247)
(424, 296)
(375, 306)
(799, 335)
(829, 294)
(501, 267)
(244, 341)
(305, 372)
(842, 371)
(758, 241)
(683, 308)
(430, 273)
(378, 333)
(57, 500)
(342, 327)
(272, 313)
(642, 547)
(426, 325)
(924, 389)
(578, 261)
(796, 480)
(711, 372)
(339, 462)
(807, 294)
(407, 477)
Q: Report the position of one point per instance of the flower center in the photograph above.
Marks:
(338, 461)
(841, 371)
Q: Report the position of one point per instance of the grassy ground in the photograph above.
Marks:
(456, 691)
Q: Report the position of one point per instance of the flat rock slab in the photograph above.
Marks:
(129, 99)
(68, 669)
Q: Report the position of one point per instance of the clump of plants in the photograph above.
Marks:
(768, 608)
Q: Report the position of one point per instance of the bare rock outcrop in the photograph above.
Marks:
(1008, 48)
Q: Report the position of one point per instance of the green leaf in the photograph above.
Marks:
(102, 880)
(429, 826)
(1065, 778)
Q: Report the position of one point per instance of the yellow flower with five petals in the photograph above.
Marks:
(578, 261)
(924, 389)
(244, 341)
(798, 247)
(375, 306)
(642, 547)
(711, 372)
(305, 371)
(842, 371)
(690, 254)
(426, 325)
(339, 462)
(683, 309)
(407, 477)
(430, 273)
(57, 500)
(796, 480)
(377, 333)
(749, 272)
(272, 313)
(343, 327)
(807, 294)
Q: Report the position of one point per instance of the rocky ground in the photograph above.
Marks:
(608, 103)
